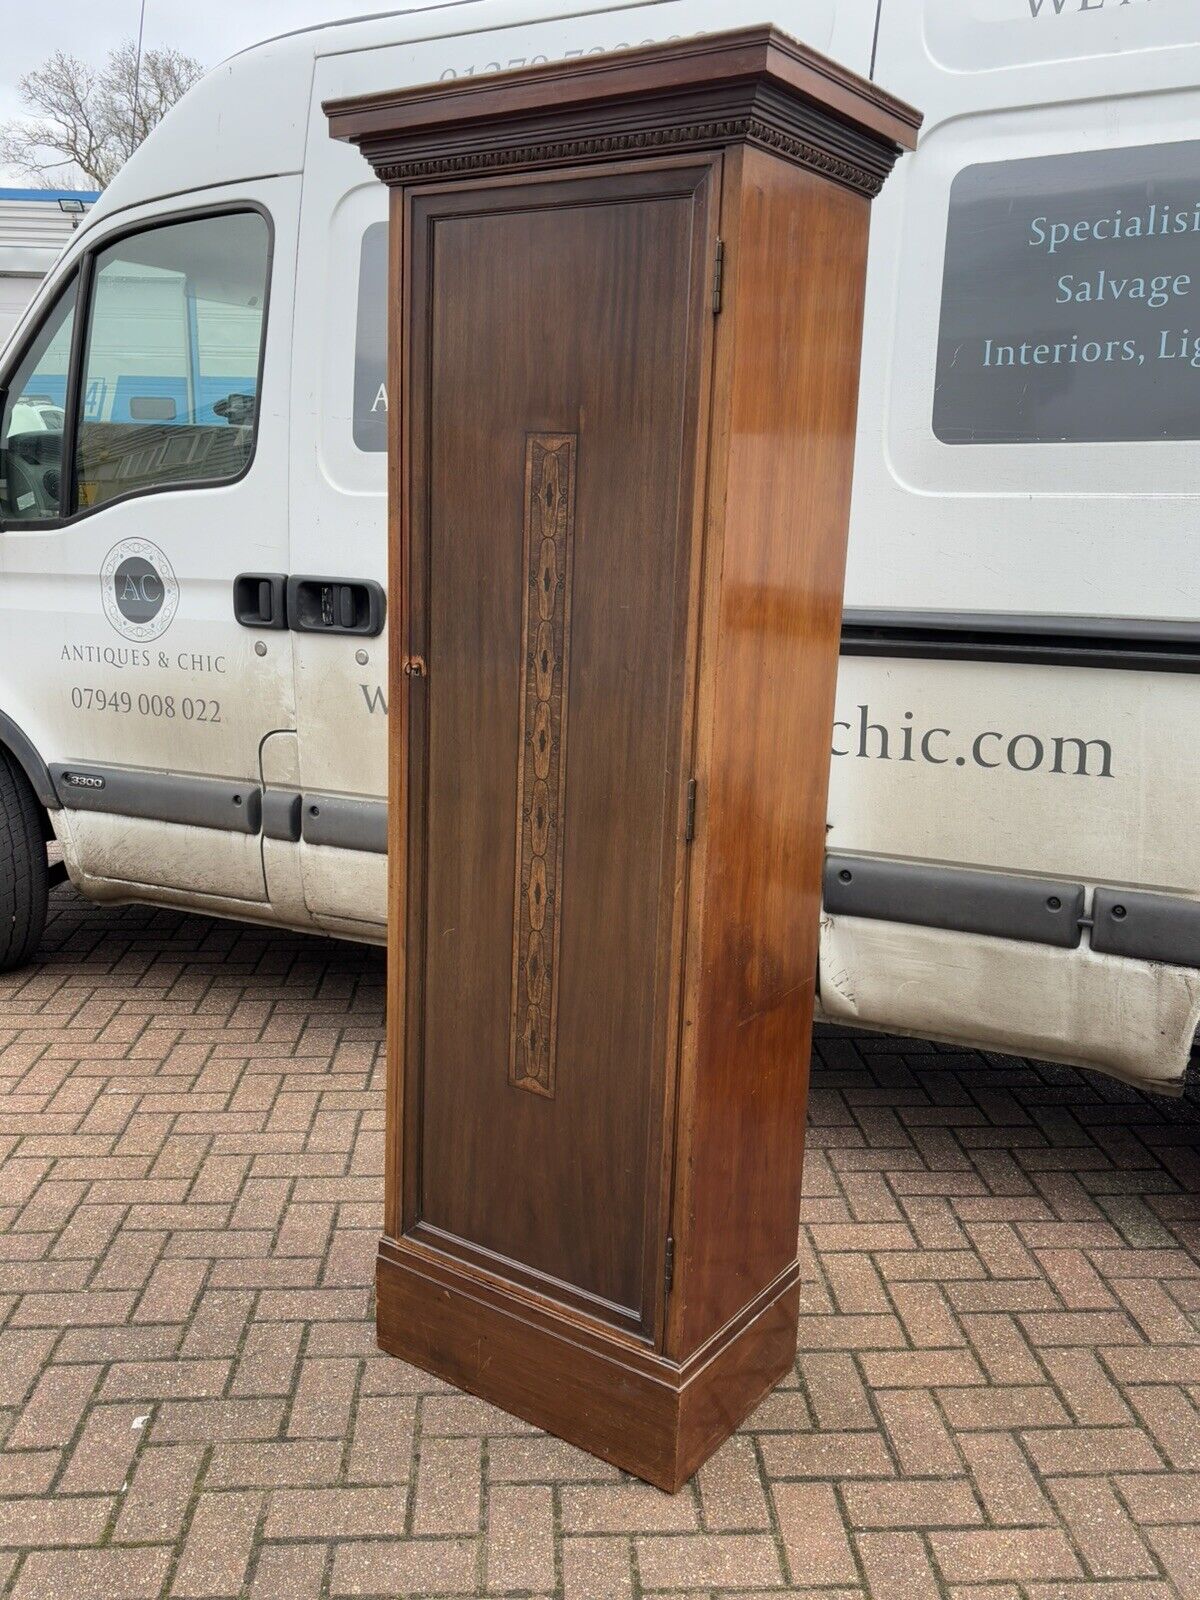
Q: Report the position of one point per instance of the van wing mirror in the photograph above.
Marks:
(237, 409)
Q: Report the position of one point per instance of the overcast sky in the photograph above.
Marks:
(210, 30)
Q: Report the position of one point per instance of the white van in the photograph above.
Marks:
(193, 695)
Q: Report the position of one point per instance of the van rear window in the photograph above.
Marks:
(370, 343)
(1071, 300)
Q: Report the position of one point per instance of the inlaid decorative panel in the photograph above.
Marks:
(542, 758)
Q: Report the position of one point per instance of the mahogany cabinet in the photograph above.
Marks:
(625, 306)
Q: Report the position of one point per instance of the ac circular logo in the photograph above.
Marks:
(139, 589)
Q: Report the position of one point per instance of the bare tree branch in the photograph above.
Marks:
(83, 122)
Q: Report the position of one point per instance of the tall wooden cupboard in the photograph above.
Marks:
(625, 307)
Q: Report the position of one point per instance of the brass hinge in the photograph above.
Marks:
(669, 1265)
(414, 667)
(689, 825)
(718, 276)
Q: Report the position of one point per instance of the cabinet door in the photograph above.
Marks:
(560, 340)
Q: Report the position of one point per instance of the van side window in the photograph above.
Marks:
(173, 348)
(31, 428)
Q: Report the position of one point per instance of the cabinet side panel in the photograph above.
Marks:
(779, 495)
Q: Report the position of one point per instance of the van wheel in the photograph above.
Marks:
(24, 876)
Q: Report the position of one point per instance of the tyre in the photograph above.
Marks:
(24, 877)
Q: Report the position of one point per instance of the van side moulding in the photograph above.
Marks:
(281, 814)
(961, 899)
(160, 796)
(1131, 644)
(1147, 927)
(345, 824)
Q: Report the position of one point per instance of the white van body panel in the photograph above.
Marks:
(1010, 767)
(1078, 1007)
(1045, 529)
(1038, 528)
(243, 121)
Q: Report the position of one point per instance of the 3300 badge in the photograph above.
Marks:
(138, 589)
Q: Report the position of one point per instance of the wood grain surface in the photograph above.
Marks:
(619, 511)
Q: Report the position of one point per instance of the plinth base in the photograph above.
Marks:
(608, 1393)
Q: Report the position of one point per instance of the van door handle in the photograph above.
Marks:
(260, 599)
(335, 605)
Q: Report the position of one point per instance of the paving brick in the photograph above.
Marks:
(216, 1553)
(897, 1567)
(334, 1513)
(156, 1380)
(171, 1291)
(927, 1318)
(271, 1464)
(1001, 1348)
(75, 1521)
(836, 1392)
(381, 1447)
(1162, 1497)
(53, 1410)
(831, 1455)
(1009, 1406)
(538, 1458)
(101, 1458)
(707, 1560)
(217, 1419)
(814, 1535)
(218, 1324)
(93, 1574)
(1080, 1287)
(596, 1569)
(520, 1538)
(267, 1359)
(23, 1353)
(784, 1411)
(449, 1486)
(855, 1283)
(324, 1395)
(629, 1508)
(71, 1310)
(921, 1440)
(1172, 1421)
(1056, 1450)
(920, 1369)
(404, 1566)
(1021, 1554)
(912, 1503)
(28, 1471)
(453, 1415)
(1086, 1387)
(289, 1572)
(161, 1490)
(1010, 1492)
(1154, 1364)
(731, 1491)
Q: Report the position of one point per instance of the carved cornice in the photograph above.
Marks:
(752, 86)
(597, 147)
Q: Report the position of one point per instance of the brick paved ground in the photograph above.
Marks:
(995, 1400)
